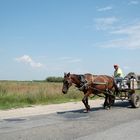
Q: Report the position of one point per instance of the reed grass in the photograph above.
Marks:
(14, 94)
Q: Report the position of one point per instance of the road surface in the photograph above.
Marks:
(119, 123)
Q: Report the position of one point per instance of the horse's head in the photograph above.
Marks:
(67, 82)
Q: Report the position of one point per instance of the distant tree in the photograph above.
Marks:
(54, 79)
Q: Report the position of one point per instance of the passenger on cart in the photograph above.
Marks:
(118, 75)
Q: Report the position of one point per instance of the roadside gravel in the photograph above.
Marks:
(47, 109)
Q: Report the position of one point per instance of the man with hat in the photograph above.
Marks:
(118, 75)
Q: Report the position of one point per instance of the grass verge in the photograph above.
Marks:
(23, 94)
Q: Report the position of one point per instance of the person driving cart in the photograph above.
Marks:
(118, 75)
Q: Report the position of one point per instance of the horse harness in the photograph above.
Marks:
(106, 91)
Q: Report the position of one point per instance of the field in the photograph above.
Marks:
(14, 94)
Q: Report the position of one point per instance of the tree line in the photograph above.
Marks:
(54, 79)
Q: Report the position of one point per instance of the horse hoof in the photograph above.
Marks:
(89, 107)
(107, 108)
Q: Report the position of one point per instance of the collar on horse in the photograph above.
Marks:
(82, 78)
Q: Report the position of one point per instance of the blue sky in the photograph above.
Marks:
(41, 38)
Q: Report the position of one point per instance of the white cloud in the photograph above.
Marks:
(105, 23)
(120, 43)
(28, 60)
(129, 30)
(128, 43)
(131, 39)
(104, 9)
(70, 59)
(65, 58)
(133, 2)
(75, 60)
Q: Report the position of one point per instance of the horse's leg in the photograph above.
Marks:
(111, 98)
(105, 102)
(85, 101)
(109, 101)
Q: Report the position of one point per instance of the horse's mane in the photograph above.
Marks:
(79, 76)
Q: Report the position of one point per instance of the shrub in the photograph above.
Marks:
(54, 79)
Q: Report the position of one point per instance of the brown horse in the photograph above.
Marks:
(78, 81)
(91, 84)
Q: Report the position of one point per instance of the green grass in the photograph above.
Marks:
(23, 94)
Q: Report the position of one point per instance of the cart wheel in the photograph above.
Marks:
(135, 100)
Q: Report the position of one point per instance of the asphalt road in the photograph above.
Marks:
(119, 123)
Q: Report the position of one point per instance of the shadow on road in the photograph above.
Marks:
(118, 104)
(14, 120)
(81, 110)
(122, 104)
